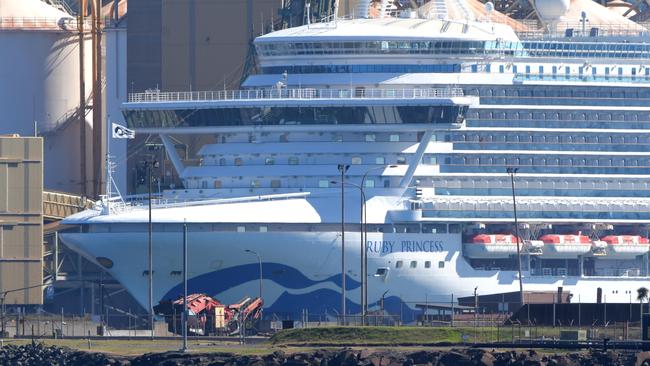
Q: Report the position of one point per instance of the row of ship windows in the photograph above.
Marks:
(274, 183)
(333, 137)
(482, 160)
(529, 183)
(521, 49)
(414, 264)
(544, 138)
(566, 70)
(439, 228)
(391, 47)
(294, 160)
(558, 116)
(353, 69)
(577, 93)
(544, 161)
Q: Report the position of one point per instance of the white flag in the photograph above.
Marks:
(121, 132)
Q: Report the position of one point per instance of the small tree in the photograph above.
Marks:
(641, 295)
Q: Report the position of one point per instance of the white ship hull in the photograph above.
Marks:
(301, 270)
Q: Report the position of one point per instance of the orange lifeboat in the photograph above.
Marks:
(491, 246)
(565, 246)
(626, 245)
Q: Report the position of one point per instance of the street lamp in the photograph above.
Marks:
(361, 242)
(512, 172)
(259, 259)
(343, 168)
(364, 239)
(150, 165)
(185, 310)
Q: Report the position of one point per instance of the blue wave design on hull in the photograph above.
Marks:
(216, 282)
(326, 302)
(322, 302)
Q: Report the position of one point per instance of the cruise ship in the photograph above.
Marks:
(387, 158)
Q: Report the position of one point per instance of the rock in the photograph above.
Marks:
(642, 357)
(455, 358)
(487, 359)
(424, 357)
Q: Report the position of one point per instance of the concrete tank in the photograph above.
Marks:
(40, 83)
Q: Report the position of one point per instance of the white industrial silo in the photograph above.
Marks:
(40, 82)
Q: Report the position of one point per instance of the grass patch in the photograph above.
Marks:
(368, 335)
(137, 347)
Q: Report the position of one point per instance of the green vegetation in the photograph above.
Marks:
(137, 347)
(368, 336)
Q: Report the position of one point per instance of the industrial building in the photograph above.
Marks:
(21, 220)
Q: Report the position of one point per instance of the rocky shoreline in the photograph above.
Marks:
(39, 355)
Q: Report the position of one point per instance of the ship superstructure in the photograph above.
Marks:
(423, 119)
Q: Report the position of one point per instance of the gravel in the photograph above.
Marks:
(37, 354)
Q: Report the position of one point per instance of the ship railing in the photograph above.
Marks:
(155, 96)
(43, 23)
(140, 202)
(575, 29)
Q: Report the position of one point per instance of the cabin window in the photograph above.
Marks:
(204, 184)
(401, 160)
(293, 160)
(222, 161)
(275, 183)
(454, 228)
(269, 161)
(441, 264)
(394, 138)
(217, 183)
(380, 160)
(414, 264)
(241, 229)
(370, 183)
(264, 229)
(356, 160)
(370, 137)
(255, 183)
(399, 264)
(434, 228)
(427, 264)
(238, 161)
(323, 183)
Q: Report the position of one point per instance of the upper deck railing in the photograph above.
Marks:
(140, 202)
(590, 30)
(156, 96)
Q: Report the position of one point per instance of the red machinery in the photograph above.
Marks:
(209, 316)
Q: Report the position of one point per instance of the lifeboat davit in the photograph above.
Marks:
(626, 246)
(491, 246)
(565, 246)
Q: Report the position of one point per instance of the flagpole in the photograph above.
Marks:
(109, 177)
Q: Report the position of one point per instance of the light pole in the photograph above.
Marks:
(364, 239)
(185, 311)
(343, 169)
(150, 165)
(259, 259)
(361, 242)
(512, 172)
